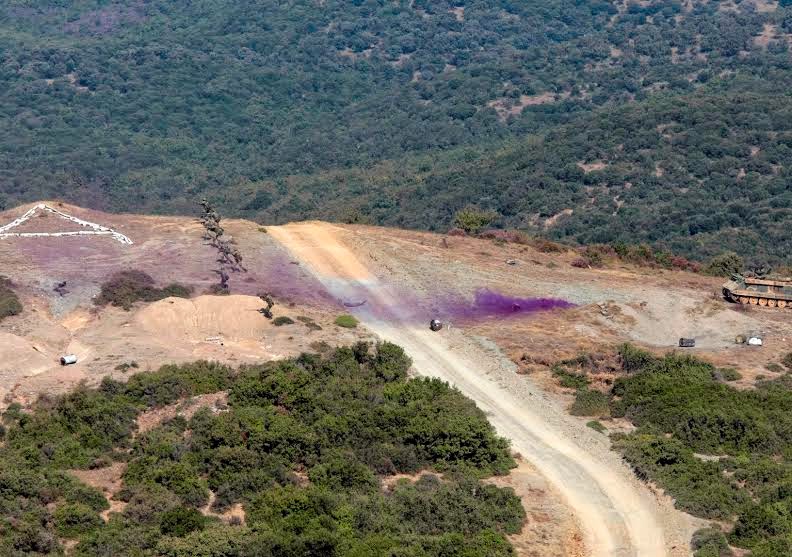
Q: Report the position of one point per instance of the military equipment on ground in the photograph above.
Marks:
(759, 291)
(687, 342)
(435, 325)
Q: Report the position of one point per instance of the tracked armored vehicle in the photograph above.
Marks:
(759, 291)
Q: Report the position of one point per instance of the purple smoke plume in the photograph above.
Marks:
(488, 303)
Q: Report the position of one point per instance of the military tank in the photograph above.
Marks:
(759, 291)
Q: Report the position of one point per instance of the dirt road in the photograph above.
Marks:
(617, 515)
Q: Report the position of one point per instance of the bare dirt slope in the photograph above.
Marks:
(107, 341)
(618, 516)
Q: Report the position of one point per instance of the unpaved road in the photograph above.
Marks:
(617, 515)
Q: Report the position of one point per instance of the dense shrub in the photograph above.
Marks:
(473, 220)
(125, 288)
(75, 519)
(710, 542)
(589, 403)
(282, 320)
(9, 301)
(724, 265)
(346, 321)
(180, 521)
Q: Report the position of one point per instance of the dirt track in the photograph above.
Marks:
(618, 516)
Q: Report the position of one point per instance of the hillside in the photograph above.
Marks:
(528, 337)
(631, 115)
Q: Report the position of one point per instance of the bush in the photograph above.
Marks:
(125, 288)
(568, 379)
(596, 426)
(589, 403)
(724, 265)
(282, 320)
(729, 374)
(75, 519)
(710, 542)
(346, 321)
(787, 361)
(9, 302)
(473, 220)
(181, 521)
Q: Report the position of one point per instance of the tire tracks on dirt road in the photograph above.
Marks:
(617, 516)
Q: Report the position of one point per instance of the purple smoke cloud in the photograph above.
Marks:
(487, 303)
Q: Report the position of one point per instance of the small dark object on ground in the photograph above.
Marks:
(68, 359)
(687, 342)
(435, 325)
(354, 304)
(511, 262)
(60, 289)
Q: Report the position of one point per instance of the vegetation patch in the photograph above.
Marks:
(569, 379)
(9, 301)
(596, 425)
(302, 448)
(125, 288)
(684, 410)
(282, 320)
(589, 402)
(347, 321)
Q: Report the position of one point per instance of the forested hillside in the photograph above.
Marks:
(654, 121)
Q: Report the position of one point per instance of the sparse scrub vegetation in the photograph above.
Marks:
(569, 379)
(340, 420)
(9, 301)
(125, 288)
(282, 320)
(309, 323)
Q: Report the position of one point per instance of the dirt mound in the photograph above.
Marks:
(232, 317)
(19, 358)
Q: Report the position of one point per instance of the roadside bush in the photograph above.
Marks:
(9, 302)
(597, 426)
(589, 403)
(282, 320)
(125, 288)
(346, 321)
(710, 542)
